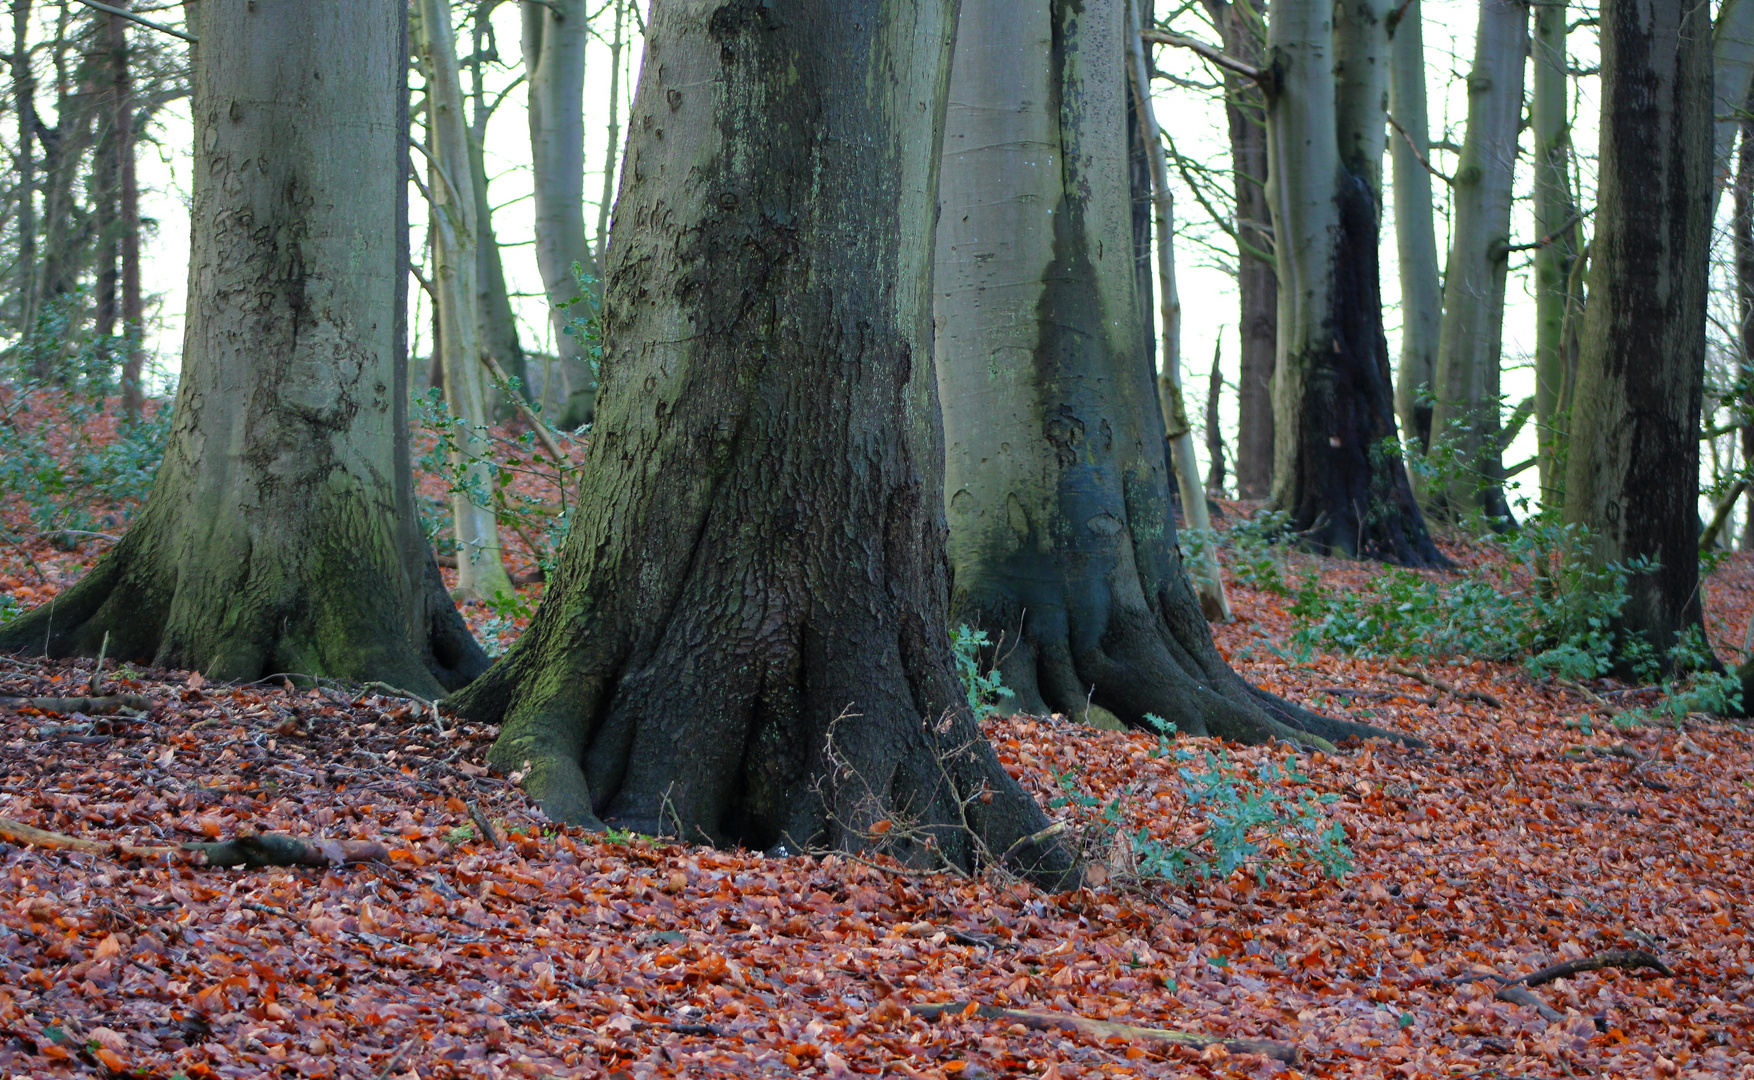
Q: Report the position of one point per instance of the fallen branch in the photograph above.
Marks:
(449, 562)
(263, 849)
(1516, 995)
(1449, 688)
(1107, 1029)
(91, 706)
(1629, 959)
(487, 830)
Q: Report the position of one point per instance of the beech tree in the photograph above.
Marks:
(745, 640)
(1632, 467)
(1465, 431)
(1557, 255)
(1415, 233)
(1338, 470)
(1061, 543)
(280, 534)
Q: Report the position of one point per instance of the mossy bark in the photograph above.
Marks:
(745, 641)
(1062, 544)
(280, 534)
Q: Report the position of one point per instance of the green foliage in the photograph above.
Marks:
(1257, 549)
(1542, 601)
(985, 689)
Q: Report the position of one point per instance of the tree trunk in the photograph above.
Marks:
(1556, 228)
(280, 535)
(24, 97)
(556, 33)
(1214, 434)
(1732, 61)
(614, 141)
(128, 217)
(745, 641)
(1339, 473)
(1415, 234)
(64, 150)
(1207, 577)
(1257, 281)
(1742, 235)
(1061, 546)
(1632, 469)
(1466, 444)
(499, 326)
(480, 571)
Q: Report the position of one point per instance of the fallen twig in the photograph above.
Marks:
(89, 705)
(449, 562)
(262, 849)
(1106, 1029)
(1629, 959)
(487, 831)
(1516, 995)
(1449, 688)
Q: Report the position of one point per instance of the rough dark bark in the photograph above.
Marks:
(280, 535)
(1632, 471)
(1062, 545)
(745, 641)
(1257, 282)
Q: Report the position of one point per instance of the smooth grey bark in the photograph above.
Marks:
(481, 571)
(1338, 472)
(24, 97)
(1415, 232)
(556, 33)
(1062, 546)
(746, 638)
(133, 309)
(1632, 465)
(1465, 430)
(613, 142)
(499, 325)
(1557, 230)
(280, 535)
(1742, 237)
(1207, 577)
(1242, 28)
(1732, 63)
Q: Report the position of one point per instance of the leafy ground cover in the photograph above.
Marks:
(1529, 832)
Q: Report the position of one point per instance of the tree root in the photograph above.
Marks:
(1438, 684)
(1628, 959)
(1106, 1029)
(254, 851)
(1516, 995)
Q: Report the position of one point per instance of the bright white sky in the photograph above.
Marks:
(1194, 120)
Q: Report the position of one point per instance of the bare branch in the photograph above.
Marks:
(131, 17)
(1218, 57)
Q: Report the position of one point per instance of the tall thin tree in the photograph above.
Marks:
(1415, 232)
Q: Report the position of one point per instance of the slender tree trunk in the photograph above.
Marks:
(24, 97)
(64, 149)
(556, 33)
(1415, 233)
(746, 638)
(280, 535)
(499, 326)
(1339, 473)
(1241, 29)
(1556, 228)
(480, 572)
(1732, 57)
(1061, 546)
(1742, 234)
(1214, 433)
(1208, 578)
(614, 141)
(1632, 469)
(128, 217)
(1464, 418)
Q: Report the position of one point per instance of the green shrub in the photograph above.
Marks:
(985, 689)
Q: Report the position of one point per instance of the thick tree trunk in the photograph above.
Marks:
(128, 216)
(1257, 284)
(1415, 233)
(280, 535)
(1339, 473)
(1556, 228)
(1061, 546)
(1208, 578)
(556, 33)
(1732, 62)
(1464, 419)
(1632, 468)
(480, 571)
(746, 638)
(24, 98)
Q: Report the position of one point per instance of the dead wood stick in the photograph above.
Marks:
(87, 705)
(487, 831)
(1629, 959)
(262, 849)
(1516, 995)
(1105, 1029)
(97, 673)
(449, 562)
(549, 442)
(1051, 831)
(1449, 688)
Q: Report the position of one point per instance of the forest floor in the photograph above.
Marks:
(1528, 833)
